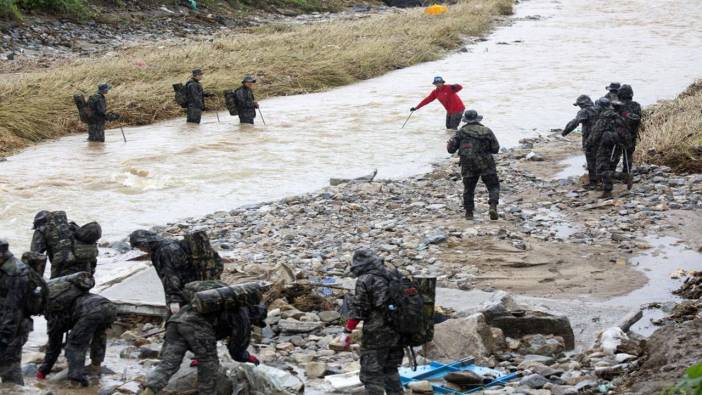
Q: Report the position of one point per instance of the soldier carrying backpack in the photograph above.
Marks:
(391, 311)
(70, 248)
(94, 113)
(476, 144)
(191, 96)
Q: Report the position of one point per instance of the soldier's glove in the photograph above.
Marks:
(252, 359)
(194, 362)
(256, 104)
(40, 375)
(413, 109)
(174, 308)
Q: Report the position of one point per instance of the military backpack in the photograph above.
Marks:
(181, 95)
(84, 242)
(59, 239)
(405, 311)
(85, 111)
(206, 262)
(63, 291)
(207, 297)
(230, 102)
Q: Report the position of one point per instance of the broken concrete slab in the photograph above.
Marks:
(534, 322)
(457, 338)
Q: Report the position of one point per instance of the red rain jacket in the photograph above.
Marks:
(447, 96)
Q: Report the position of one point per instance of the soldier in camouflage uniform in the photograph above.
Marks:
(246, 104)
(606, 135)
(22, 294)
(179, 262)
(476, 144)
(631, 111)
(54, 235)
(587, 116)
(196, 97)
(86, 322)
(189, 330)
(381, 352)
(613, 91)
(98, 106)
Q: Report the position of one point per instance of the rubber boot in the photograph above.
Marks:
(469, 214)
(493, 211)
(93, 369)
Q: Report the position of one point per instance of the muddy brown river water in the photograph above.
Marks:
(523, 79)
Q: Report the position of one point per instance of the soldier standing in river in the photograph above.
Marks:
(98, 108)
(587, 116)
(612, 91)
(196, 97)
(448, 97)
(246, 104)
(381, 352)
(22, 294)
(476, 144)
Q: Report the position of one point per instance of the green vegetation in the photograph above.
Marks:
(671, 133)
(287, 59)
(77, 9)
(690, 384)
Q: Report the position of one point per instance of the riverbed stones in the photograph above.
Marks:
(295, 326)
(315, 369)
(535, 381)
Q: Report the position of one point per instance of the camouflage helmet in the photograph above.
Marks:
(143, 238)
(363, 259)
(613, 86)
(248, 78)
(625, 92)
(40, 218)
(603, 102)
(197, 72)
(4, 247)
(583, 100)
(103, 88)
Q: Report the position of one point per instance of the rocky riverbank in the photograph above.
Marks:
(554, 240)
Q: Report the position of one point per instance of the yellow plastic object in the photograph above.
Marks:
(435, 9)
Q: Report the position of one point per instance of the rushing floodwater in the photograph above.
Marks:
(171, 170)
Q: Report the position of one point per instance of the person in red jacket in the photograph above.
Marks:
(448, 96)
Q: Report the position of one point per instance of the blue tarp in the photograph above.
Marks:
(435, 372)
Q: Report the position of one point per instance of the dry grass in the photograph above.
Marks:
(671, 133)
(286, 59)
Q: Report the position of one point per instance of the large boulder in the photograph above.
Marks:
(185, 382)
(459, 338)
(517, 324)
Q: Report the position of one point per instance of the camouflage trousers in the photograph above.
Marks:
(604, 165)
(11, 358)
(591, 163)
(194, 114)
(179, 339)
(453, 120)
(247, 116)
(88, 332)
(470, 181)
(379, 372)
(96, 132)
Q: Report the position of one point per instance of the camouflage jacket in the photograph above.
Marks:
(245, 102)
(475, 144)
(196, 95)
(609, 130)
(632, 107)
(587, 117)
(370, 305)
(235, 326)
(173, 266)
(16, 299)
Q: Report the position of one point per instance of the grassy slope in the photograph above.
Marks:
(671, 133)
(286, 59)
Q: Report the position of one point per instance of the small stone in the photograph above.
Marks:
(535, 381)
(421, 387)
(329, 316)
(315, 369)
(148, 353)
